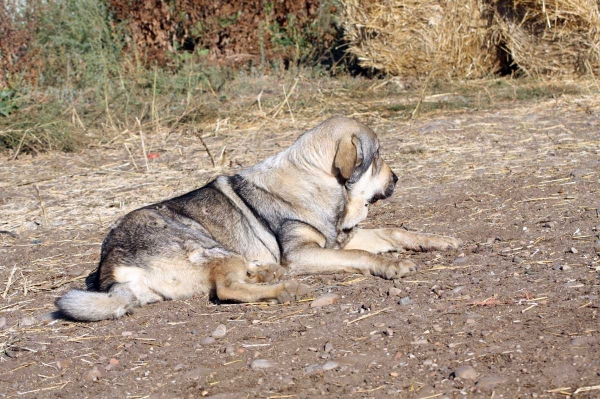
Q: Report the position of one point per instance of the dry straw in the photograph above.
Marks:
(550, 37)
(474, 38)
(419, 38)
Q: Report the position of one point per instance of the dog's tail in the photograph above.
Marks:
(95, 306)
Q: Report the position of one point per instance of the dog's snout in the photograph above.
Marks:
(389, 190)
(395, 178)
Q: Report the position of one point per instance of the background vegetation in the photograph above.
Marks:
(82, 72)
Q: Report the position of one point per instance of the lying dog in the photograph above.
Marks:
(298, 209)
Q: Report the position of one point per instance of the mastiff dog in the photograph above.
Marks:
(295, 213)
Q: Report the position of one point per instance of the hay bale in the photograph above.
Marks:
(421, 37)
(550, 37)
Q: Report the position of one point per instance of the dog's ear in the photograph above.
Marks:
(349, 155)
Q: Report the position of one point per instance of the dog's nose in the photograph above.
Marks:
(395, 178)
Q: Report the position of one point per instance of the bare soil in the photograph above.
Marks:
(519, 184)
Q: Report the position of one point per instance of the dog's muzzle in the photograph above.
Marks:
(389, 190)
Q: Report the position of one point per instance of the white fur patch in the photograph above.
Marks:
(360, 194)
(164, 279)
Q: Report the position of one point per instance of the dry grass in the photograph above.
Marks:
(475, 38)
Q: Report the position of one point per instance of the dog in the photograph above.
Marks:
(234, 238)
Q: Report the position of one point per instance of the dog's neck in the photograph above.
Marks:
(316, 196)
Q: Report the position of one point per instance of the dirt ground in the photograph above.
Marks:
(512, 314)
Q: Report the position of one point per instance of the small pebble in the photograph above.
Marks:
(230, 350)
(287, 381)
(2, 323)
(465, 373)
(330, 365)
(312, 368)
(490, 382)
(517, 260)
(195, 332)
(220, 332)
(420, 342)
(324, 300)
(437, 328)
(179, 366)
(75, 271)
(27, 321)
(208, 341)
(393, 291)
(585, 341)
(94, 374)
(461, 260)
(394, 374)
(47, 317)
(458, 289)
(565, 268)
(405, 301)
(126, 334)
(574, 250)
(31, 225)
(328, 347)
(260, 364)
(63, 363)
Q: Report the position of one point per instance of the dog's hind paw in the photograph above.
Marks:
(270, 273)
(292, 290)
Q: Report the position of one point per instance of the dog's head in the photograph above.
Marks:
(359, 166)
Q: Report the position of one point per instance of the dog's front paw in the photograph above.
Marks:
(292, 290)
(442, 243)
(425, 242)
(394, 269)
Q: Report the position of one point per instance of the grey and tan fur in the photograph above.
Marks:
(295, 212)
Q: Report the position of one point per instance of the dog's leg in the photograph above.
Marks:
(387, 240)
(305, 254)
(230, 278)
(311, 259)
(246, 292)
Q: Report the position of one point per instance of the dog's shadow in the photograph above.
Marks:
(90, 280)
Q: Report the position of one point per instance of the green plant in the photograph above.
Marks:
(8, 102)
(77, 43)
